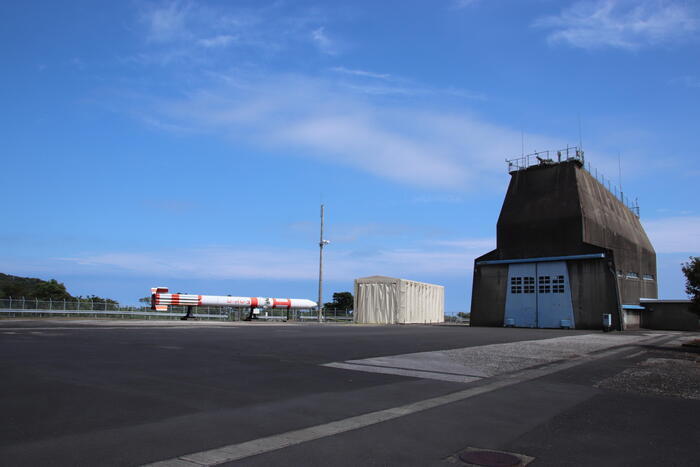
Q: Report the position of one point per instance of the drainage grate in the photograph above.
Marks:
(488, 458)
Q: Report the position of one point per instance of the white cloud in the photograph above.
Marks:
(383, 84)
(356, 141)
(679, 234)
(170, 206)
(474, 245)
(361, 73)
(687, 81)
(437, 199)
(313, 117)
(167, 21)
(323, 42)
(183, 30)
(376, 123)
(459, 4)
(290, 264)
(221, 40)
(624, 24)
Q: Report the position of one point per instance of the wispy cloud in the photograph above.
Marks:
(482, 245)
(316, 117)
(384, 84)
(623, 24)
(687, 81)
(323, 42)
(361, 73)
(344, 232)
(460, 4)
(169, 206)
(180, 30)
(447, 258)
(270, 263)
(221, 40)
(437, 199)
(166, 22)
(373, 122)
(680, 234)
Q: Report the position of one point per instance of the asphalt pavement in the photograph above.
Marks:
(81, 392)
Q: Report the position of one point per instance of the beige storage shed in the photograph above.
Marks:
(388, 300)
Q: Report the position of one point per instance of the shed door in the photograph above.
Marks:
(554, 308)
(521, 299)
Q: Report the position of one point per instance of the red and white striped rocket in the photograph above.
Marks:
(160, 299)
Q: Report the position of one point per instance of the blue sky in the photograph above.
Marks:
(189, 143)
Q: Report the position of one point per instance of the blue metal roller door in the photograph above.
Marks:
(539, 295)
(521, 299)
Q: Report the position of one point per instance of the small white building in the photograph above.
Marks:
(388, 300)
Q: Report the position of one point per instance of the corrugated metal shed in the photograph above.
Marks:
(389, 300)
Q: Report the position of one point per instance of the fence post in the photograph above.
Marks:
(10, 303)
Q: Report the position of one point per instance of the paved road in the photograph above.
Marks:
(128, 393)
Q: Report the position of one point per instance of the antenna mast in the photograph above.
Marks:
(580, 138)
(619, 170)
(321, 244)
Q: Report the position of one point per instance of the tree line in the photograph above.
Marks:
(17, 287)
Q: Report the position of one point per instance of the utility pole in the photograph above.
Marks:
(321, 244)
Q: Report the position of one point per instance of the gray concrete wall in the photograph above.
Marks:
(672, 315)
(609, 224)
(489, 295)
(541, 214)
(593, 293)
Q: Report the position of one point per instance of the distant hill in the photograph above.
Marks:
(29, 287)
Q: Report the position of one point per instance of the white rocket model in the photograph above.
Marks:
(160, 299)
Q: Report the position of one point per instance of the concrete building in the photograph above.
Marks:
(671, 315)
(568, 251)
(389, 300)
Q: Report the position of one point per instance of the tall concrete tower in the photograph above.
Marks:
(568, 251)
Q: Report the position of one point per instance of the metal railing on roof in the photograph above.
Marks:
(571, 153)
(631, 204)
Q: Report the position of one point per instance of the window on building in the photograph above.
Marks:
(528, 284)
(648, 277)
(516, 285)
(632, 275)
(544, 284)
(558, 284)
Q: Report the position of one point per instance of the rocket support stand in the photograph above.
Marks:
(188, 315)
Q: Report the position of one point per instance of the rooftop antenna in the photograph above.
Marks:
(580, 138)
(619, 170)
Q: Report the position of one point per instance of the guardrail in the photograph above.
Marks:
(33, 308)
(13, 313)
(236, 315)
